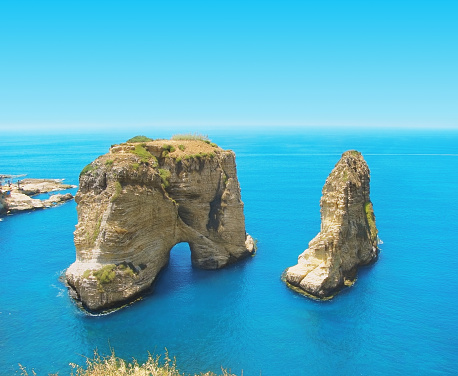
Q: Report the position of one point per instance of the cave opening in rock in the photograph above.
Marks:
(179, 272)
(180, 257)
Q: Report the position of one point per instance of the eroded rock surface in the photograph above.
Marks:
(348, 236)
(138, 201)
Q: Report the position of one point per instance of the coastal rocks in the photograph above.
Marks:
(16, 197)
(21, 202)
(141, 199)
(57, 199)
(3, 208)
(32, 187)
(348, 236)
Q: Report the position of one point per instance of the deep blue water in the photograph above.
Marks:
(400, 318)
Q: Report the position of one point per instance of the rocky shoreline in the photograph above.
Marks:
(18, 196)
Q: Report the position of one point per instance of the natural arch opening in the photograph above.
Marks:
(179, 274)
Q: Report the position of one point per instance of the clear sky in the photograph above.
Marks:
(115, 64)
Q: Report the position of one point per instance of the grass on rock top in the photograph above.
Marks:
(186, 149)
(180, 145)
(139, 139)
(145, 155)
(88, 168)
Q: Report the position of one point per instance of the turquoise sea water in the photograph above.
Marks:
(400, 318)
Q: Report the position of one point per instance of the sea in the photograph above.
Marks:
(400, 317)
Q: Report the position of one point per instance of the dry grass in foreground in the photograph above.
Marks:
(111, 365)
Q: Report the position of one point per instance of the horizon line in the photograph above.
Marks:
(103, 127)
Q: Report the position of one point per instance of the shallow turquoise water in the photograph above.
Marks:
(399, 318)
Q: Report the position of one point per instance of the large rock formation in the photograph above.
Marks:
(138, 201)
(348, 236)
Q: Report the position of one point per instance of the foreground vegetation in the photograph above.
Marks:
(111, 365)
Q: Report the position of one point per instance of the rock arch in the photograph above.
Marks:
(138, 201)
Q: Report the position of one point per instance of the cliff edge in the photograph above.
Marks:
(138, 201)
(348, 236)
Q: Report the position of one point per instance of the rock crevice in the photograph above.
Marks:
(348, 236)
(138, 201)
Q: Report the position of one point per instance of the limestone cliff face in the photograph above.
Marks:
(348, 236)
(138, 201)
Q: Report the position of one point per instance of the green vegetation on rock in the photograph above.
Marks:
(127, 270)
(118, 190)
(145, 155)
(106, 274)
(140, 139)
(91, 234)
(199, 156)
(165, 175)
(369, 210)
(88, 168)
(87, 273)
(96, 231)
(211, 143)
(166, 149)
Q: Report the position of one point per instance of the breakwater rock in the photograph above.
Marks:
(18, 197)
(138, 201)
(32, 187)
(348, 236)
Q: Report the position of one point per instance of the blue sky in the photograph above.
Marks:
(117, 64)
